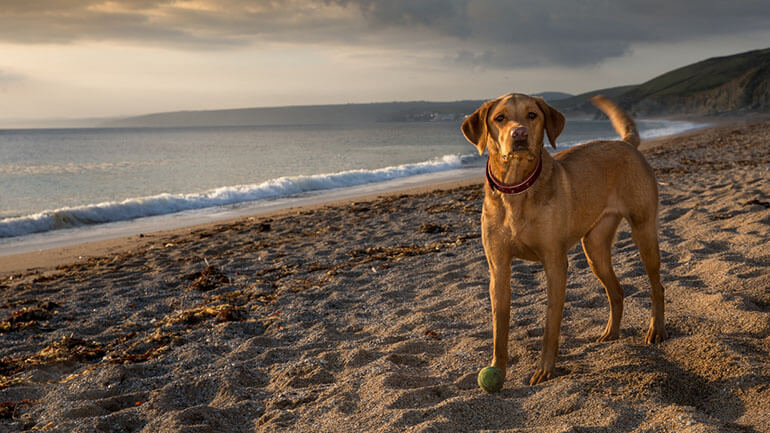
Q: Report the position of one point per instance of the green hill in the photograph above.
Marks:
(721, 85)
(718, 85)
(580, 106)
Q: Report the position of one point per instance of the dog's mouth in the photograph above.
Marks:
(518, 155)
(520, 145)
(519, 150)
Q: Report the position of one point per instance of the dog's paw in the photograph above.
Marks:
(540, 375)
(608, 336)
(655, 335)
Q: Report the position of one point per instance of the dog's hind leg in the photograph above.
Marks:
(597, 245)
(645, 236)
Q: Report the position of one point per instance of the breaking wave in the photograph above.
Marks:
(162, 204)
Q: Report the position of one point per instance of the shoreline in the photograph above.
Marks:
(46, 259)
(164, 222)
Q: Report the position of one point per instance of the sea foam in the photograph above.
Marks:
(663, 128)
(161, 204)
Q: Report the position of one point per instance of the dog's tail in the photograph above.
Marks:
(621, 121)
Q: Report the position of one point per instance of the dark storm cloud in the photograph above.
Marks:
(445, 16)
(490, 33)
(567, 32)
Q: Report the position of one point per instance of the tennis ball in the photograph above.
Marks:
(491, 379)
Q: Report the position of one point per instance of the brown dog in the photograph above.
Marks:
(537, 206)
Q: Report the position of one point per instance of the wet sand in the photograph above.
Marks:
(374, 316)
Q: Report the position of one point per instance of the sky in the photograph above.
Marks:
(92, 58)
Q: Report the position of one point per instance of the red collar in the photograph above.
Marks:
(515, 188)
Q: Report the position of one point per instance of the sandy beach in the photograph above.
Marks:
(373, 316)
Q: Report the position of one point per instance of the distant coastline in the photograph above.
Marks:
(342, 114)
(733, 85)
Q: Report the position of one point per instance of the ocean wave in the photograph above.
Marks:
(70, 217)
(647, 129)
(662, 128)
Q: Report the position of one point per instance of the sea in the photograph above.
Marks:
(66, 186)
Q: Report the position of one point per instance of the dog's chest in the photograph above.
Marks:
(511, 227)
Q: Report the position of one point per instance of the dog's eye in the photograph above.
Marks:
(531, 115)
(499, 118)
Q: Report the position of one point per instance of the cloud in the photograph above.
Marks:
(510, 33)
(484, 33)
(191, 24)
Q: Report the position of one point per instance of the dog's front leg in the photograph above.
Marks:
(556, 273)
(500, 295)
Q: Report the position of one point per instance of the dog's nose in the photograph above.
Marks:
(520, 133)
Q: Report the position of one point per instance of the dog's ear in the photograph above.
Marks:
(554, 120)
(475, 127)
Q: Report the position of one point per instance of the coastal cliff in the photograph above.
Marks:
(722, 85)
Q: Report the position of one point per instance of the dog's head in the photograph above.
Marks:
(513, 126)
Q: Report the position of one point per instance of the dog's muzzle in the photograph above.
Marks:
(519, 142)
(520, 145)
(520, 136)
(517, 146)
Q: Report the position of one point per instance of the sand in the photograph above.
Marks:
(373, 316)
